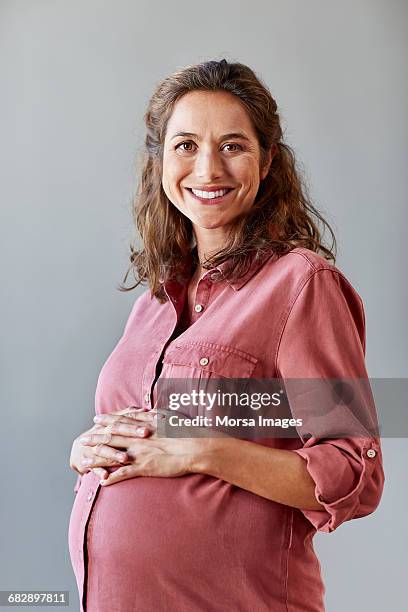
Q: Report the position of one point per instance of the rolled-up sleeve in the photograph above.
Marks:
(323, 337)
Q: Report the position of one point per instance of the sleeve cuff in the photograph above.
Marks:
(340, 468)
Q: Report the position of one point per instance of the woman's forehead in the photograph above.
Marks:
(218, 111)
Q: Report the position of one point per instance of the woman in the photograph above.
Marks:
(240, 286)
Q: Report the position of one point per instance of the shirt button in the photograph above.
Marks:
(204, 361)
(198, 308)
(213, 276)
(90, 495)
(371, 453)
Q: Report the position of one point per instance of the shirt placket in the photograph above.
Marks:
(91, 496)
(202, 297)
(176, 293)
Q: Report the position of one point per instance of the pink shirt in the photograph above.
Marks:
(197, 543)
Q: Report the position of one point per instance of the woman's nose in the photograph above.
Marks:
(209, 165)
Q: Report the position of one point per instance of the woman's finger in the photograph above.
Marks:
(100, 473)
(102, 455)
(123, 473)
(136, 429)
(108, 418)
(112, 454)
(135, 413)
(111, 439)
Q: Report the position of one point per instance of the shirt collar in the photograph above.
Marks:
(256, 262)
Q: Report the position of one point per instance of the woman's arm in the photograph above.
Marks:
(278, 475)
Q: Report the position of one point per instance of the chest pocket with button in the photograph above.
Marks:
(197, 359)
(202, 367)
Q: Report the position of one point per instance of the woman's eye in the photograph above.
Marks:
(233, 145)
(181, 144)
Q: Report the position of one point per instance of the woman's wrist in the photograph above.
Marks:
(210, 454)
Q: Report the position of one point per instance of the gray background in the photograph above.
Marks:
(75, 81)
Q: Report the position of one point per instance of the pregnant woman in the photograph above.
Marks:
(240, 285)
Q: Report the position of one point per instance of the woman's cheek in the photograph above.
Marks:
(167, 189)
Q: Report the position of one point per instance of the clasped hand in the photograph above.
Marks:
(128, 438)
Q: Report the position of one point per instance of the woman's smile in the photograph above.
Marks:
(210, 198)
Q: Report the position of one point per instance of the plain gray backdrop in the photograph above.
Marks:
(75, 80)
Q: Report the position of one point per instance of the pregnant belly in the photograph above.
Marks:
(201, 538)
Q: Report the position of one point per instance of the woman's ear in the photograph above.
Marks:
(271, 153)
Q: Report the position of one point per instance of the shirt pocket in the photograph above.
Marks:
(201, 359)
(195, 367)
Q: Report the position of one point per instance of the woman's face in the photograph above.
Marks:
(218, 150)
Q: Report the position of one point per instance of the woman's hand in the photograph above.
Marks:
(152, 456)
(81, 454)
(101, 456)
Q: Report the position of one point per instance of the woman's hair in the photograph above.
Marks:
(282, 216)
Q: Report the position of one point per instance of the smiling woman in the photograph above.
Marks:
(239, 286)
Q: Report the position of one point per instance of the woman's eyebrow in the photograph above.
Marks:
(239, 135)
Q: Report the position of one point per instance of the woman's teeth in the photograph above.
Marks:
(210, 194)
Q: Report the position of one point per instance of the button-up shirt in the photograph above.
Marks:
(195, 542)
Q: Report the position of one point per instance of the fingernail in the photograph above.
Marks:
(86, 461)
(120, 457)
(97, 418)
(85, 439)
(102, 482)
(141, 431)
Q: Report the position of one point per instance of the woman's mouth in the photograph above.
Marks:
(210, 197)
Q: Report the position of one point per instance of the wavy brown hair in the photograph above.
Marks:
(282, 216)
